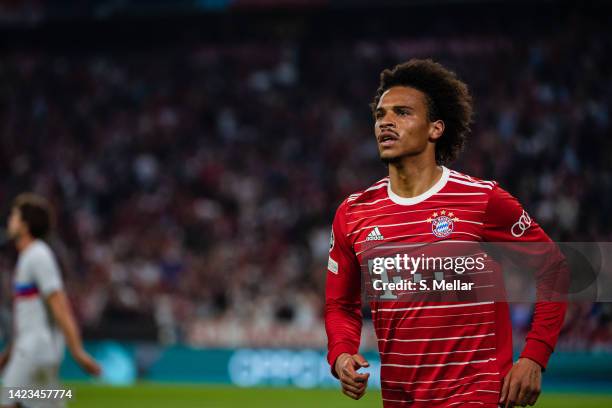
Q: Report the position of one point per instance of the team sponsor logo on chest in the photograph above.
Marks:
(442, 224)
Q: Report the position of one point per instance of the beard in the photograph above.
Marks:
(398, 158)
(393, 160)
(390, 160)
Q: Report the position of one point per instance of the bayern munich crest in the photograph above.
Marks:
(442, 224)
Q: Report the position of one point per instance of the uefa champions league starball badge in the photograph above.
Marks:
(442, 224)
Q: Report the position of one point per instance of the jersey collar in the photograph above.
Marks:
(423, 196)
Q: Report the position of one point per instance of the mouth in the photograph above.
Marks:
(387, 138)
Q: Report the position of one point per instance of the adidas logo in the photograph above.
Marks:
(375, 235)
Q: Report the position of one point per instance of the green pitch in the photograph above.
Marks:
(192, 396)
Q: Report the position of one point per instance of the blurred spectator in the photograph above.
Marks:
(195, 189)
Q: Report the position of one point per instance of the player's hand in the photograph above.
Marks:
(353, 383)
(87, 363)
(522, 384)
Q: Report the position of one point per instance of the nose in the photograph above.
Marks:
(387, 121)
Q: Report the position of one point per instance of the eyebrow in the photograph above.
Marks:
(380, 108)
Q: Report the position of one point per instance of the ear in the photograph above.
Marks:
(436, 129)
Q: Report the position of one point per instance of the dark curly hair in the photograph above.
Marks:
(36, 212)
(448, 99)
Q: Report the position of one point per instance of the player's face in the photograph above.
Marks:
(15, 224)
(402, 126)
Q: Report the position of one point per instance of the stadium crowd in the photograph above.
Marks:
(195, 186)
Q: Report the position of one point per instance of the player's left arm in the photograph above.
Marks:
(47, 276)
(62, 313)
(506, 221)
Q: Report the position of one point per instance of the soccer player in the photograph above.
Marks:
(43, 320)
(432, 354)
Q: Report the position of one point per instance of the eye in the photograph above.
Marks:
(402, 112)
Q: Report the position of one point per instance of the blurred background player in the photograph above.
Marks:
(43, 320)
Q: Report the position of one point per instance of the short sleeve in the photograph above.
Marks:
(43, 267)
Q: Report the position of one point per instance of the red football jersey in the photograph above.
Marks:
(433, 354)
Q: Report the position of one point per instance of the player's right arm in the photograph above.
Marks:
(343, 318)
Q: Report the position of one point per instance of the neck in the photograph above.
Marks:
(23, 242)
(410, 178)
